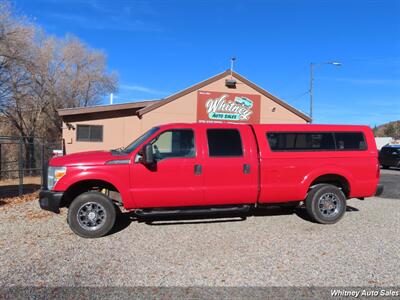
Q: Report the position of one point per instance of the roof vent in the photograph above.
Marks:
(230, 83)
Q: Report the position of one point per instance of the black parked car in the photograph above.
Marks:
(389, 156)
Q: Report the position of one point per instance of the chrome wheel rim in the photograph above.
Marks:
(91, 216)
(329, 205)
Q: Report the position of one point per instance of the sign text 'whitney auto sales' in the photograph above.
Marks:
(228, 107)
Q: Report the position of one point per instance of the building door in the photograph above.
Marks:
(173, 180)
(230, 167)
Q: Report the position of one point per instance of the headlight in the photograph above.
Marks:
(54, 174)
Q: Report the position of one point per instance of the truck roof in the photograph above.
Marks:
(278, 127)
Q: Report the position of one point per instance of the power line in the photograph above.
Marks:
(297, 97)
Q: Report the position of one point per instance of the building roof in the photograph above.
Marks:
(219, 76)
(104, 108)
(144, 107)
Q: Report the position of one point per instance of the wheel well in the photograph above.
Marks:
(81, 187)
(334, 179)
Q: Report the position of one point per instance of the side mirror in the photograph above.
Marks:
(148, 157)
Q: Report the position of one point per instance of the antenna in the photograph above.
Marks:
(111, 98)
(233, 59)
(231, 83)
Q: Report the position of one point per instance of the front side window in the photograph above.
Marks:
(224, 142)
(174, 143)
(89, 133)
(139, 141)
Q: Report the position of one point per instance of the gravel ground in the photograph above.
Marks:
(270, 249)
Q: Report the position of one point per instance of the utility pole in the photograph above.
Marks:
(312, 65)
(311, 91)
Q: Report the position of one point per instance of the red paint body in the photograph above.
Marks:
(274, 177)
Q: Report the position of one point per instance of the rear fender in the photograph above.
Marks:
(326, 170)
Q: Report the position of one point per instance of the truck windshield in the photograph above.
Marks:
(136, 143)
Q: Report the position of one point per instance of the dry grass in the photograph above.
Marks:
(9, 188)
(13, 205)
(7, 203)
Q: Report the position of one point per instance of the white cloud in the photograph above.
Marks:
(140, 88)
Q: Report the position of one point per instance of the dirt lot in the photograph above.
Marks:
(391, 180)
(269, 249)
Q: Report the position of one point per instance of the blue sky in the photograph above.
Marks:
(163, 46)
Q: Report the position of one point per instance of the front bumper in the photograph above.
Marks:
(379, 190)
(50, 200)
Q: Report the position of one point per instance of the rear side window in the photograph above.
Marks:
(350, 141)
(297, 141)
(224, 142)
(316, 141)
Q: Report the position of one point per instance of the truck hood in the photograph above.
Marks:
(90, 158)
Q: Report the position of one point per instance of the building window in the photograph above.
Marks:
(224, 143)
(89, 133)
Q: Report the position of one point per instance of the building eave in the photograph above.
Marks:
(104, 108)
(210, 80)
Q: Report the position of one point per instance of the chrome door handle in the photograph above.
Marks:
(197, 169)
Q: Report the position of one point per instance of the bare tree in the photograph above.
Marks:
(77, 77)
(40, 74)
(16, 35)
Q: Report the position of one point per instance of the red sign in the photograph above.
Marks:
(217, 107)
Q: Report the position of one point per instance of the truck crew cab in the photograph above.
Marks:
(205, 168)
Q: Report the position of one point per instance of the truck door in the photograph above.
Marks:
(173, 179)
(230, 165)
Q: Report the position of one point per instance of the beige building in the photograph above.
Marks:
(225, 97)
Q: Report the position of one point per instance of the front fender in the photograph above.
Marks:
(117, 175)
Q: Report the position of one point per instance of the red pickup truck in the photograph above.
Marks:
(207, 168)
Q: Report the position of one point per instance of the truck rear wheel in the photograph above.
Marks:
(326, 204)
(91, 215)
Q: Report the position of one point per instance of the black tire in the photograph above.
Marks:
(326, 204)
(91, 215)
(385, 167)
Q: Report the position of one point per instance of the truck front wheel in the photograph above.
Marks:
(326, 204)
(91, 215)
